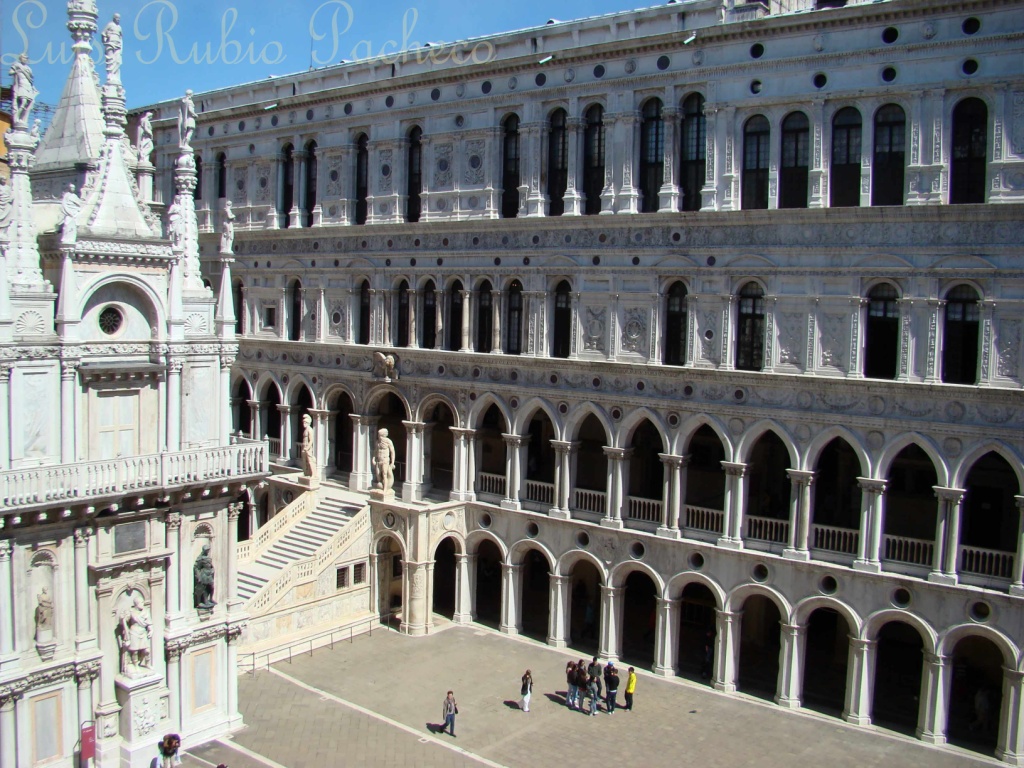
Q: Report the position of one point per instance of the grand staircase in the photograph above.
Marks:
(304, 538)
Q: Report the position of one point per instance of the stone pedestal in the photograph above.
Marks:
(379, 494)
(312, 483)
(143, 719)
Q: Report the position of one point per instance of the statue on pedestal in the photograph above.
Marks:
(112, 45)
(384, 461)
(135, 628)
(23, 92)
(309, 467)
(186, 123)
(145, 137)
(227, 229)
(202, 570)
(44, 617)
(70, 207)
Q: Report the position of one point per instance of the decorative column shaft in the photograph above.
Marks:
(860, 678)
(791, 674)
(666, 645)
(671, 498)
(463, 591)
(727, 649)
(931, 724)
(800, 513)
(611, 623)
(558, 609)
(234, 603)
(872, 493)
(732, 525)
(510, 593)
(6, 601)
(1017, 587)
(173, 585)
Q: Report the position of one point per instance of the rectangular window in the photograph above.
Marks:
(359, 573)
(341, 580)
(129, 537)
(270, 317)
(117, 424)
(47, 728)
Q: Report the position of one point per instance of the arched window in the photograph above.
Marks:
(960, 337)
(692, 156)
(510, 168)
(562, 338)
(429, 321)
(750, 329)
(287, 170)
(756, 135)
(593, 160)
(514, 318)
(238, 299)
(652, 155)
(295, 310)
(222, 176)
(362, 177)
(403, 315)
(484, 318)
(970, 151)
(455, 310)
(674, 350)
(364, 313)
(887, 167)
(881, 332)
(558, 162)
(197, 193)
(310, 182)
(796, 133)
(844, 176)
(415, 173)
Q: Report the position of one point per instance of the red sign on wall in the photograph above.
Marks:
(88, 742)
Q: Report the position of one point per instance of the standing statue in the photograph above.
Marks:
(309, 468)
(70, 207)
(175, 226)
(145, 137)
(23, 92)
(112, 45)
(202, 594)
(186, 123)
(44, 617)
(6, 206)
(136, 630)
(384, 461)
(227, 229)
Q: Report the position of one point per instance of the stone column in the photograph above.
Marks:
(513, 444)
(362, 477)
(931, 724)
(1017, 587)
(254, 419)
(463, 591)
(611, 623)
(872, 493)
(414, 341)
(800, 514)
(280, 215)
(561, 507)
(233, 602)
(9, 695)
(669, 195)
(415, 606)
(83, 622)
(174, 367)
(458, 491)
(709, 192)
(572, 199)
(727, 650)
(85, 675)
(298, 189)
(68, 374)
(666, 643)
(1010, 740)
(732, 525)
(7, 606)
(628, 199)
(947, 535)
(495, 322)
(614, 496)
(173, 585)
(439, 319)
(467, 313)
(558, 609)
(470, 465)
(860, 679)
(818, 172)
(412, 488)
(791, 674)
(5, 410)
(510, 593)
(671, 498)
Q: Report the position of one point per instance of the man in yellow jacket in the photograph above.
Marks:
(630, 688)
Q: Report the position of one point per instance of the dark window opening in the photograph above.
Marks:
(750, 331)
(364, 313)
(881, 333)
(455, 310)
(652, 156)
(970, 150)
(960, 336)
(593, 160)
(429, 335)
(403, 315)
(562, 339)
(514, 318)
(674, 350)
(796, 136)
(756, 136)
(558, 163)
(362, 178)
(844, 184)
(510, 169)
(288, 188)
(484, 318)
(415, 172)
(692, 159)
(887, 168)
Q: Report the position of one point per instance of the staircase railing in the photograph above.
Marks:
(276, 527)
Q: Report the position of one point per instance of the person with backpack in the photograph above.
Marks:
(525, 691)
(611, 684)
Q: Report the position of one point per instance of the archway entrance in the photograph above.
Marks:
(639, 619)
(341, 434)
(389, 578)
(444, 578)
(300, 407)
(536, 595)
(758, 672)
(898, 661)
(488, 584)
(826, 652)
(696, 632)
(539, 492)
(975, 694)
(585, 607)
(391, 413)
(490, 458)
(439, 451)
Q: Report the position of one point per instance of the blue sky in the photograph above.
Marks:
(171, 45)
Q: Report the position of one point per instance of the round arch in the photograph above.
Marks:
(393, 534)
(679, 582)
(739, 594)
(619, 573)
(427, 404)
(381, 391)
(803, 610)
(565, 563)
(335, 391)
(139, 286)
(457, 538)
(517, 552)
(953, 635)
(875, 621)
(476, 538)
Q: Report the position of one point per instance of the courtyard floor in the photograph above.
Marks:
(376, 702)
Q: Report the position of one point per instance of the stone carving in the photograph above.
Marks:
(384, 156)
(789, 339)
(135, 632)
(112, 45)
(594, 329)
(203, 577)
(6, 207)
(144, 141)
(186, 123)
(1008, 348)
(634, 330)
(70, 208)
(195, 324)
(309, 467)
(384, 366)
(443, 167)
(227, 229)
(44, 617)
(23, 91)
(475, 165)
(29, 323)
(262, 186)
(384, 461)
(176, 226)
(1017, 131)
(833, 346)
(143, 716)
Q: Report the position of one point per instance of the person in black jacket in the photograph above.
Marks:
(611, 684)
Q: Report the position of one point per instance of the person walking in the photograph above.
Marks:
(448, 711)
(571, 690)
(611, 686)
(526, 690)
(630, 689)
(594, 696)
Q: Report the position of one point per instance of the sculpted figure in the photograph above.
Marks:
(44, 617)
(309, 468)
(384, 461)
(175, 225)
(112, 45)
(6, 205)
(136, 629)
(145, 137)
(23, 92)
(186, 122)
(203, 574)
(384, 365)
(227, 229)
(70, 207)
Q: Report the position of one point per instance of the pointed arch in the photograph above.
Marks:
(579, 415)
(967, 461)
(892, 450)
(823, 438)
(268, 379)
(482, 405)
(526, 411)
(632, 422)
(755, 432)
(686, 431)
(297, 381)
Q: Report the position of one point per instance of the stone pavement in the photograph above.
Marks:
(373, 702)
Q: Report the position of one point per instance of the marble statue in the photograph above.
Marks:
(6, 206)
(145, 137)
(44, 617)
(23, 92)
(227, 229)
(384, 461)
(136, 630)
(175, 225)
(384, 365)
(309, 468)
(70, 208)
(186, 123)
(112, 44)
(202, 570)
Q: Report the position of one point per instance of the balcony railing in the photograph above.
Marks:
(833, 539)
(491, 483)
(72, 483)
(903, 549)
(589, 501)
(703, 519)
(767, 529)
(275, 446)
(986, 562)
(542, 493)
(647, 510)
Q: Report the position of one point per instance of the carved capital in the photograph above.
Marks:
(173, 521)
(234, 510)
(5, 550)
(82, 536)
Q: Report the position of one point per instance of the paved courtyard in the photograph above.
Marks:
(374, 701)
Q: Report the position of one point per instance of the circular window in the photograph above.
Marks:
(616, 414)
(459, 121)
(385, 170)
(532, 529)
(274, 120)
(110, 320)
(820, 81)
(440, 370)
(828, 585)
(756, 51)
(442, 165)
(890, 35)
(969, 67)
(475, 162)
(664, 62)
(981, 611)
(901, 598)
(389, 101)
(582, 539)
(336, 318)
(889, 74)
(309, 114)
(636, 261)
(599, 71)
(755, 86)
(486, 87)
(760, 572)
(688, 391)
(241, 125)
(540, 79)
(970, 26)
(696, 560)
(348, 109)
(435, 94)
(334, 175)
(485, 520)
(709, 334)
(596, 260)
(637, 550)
